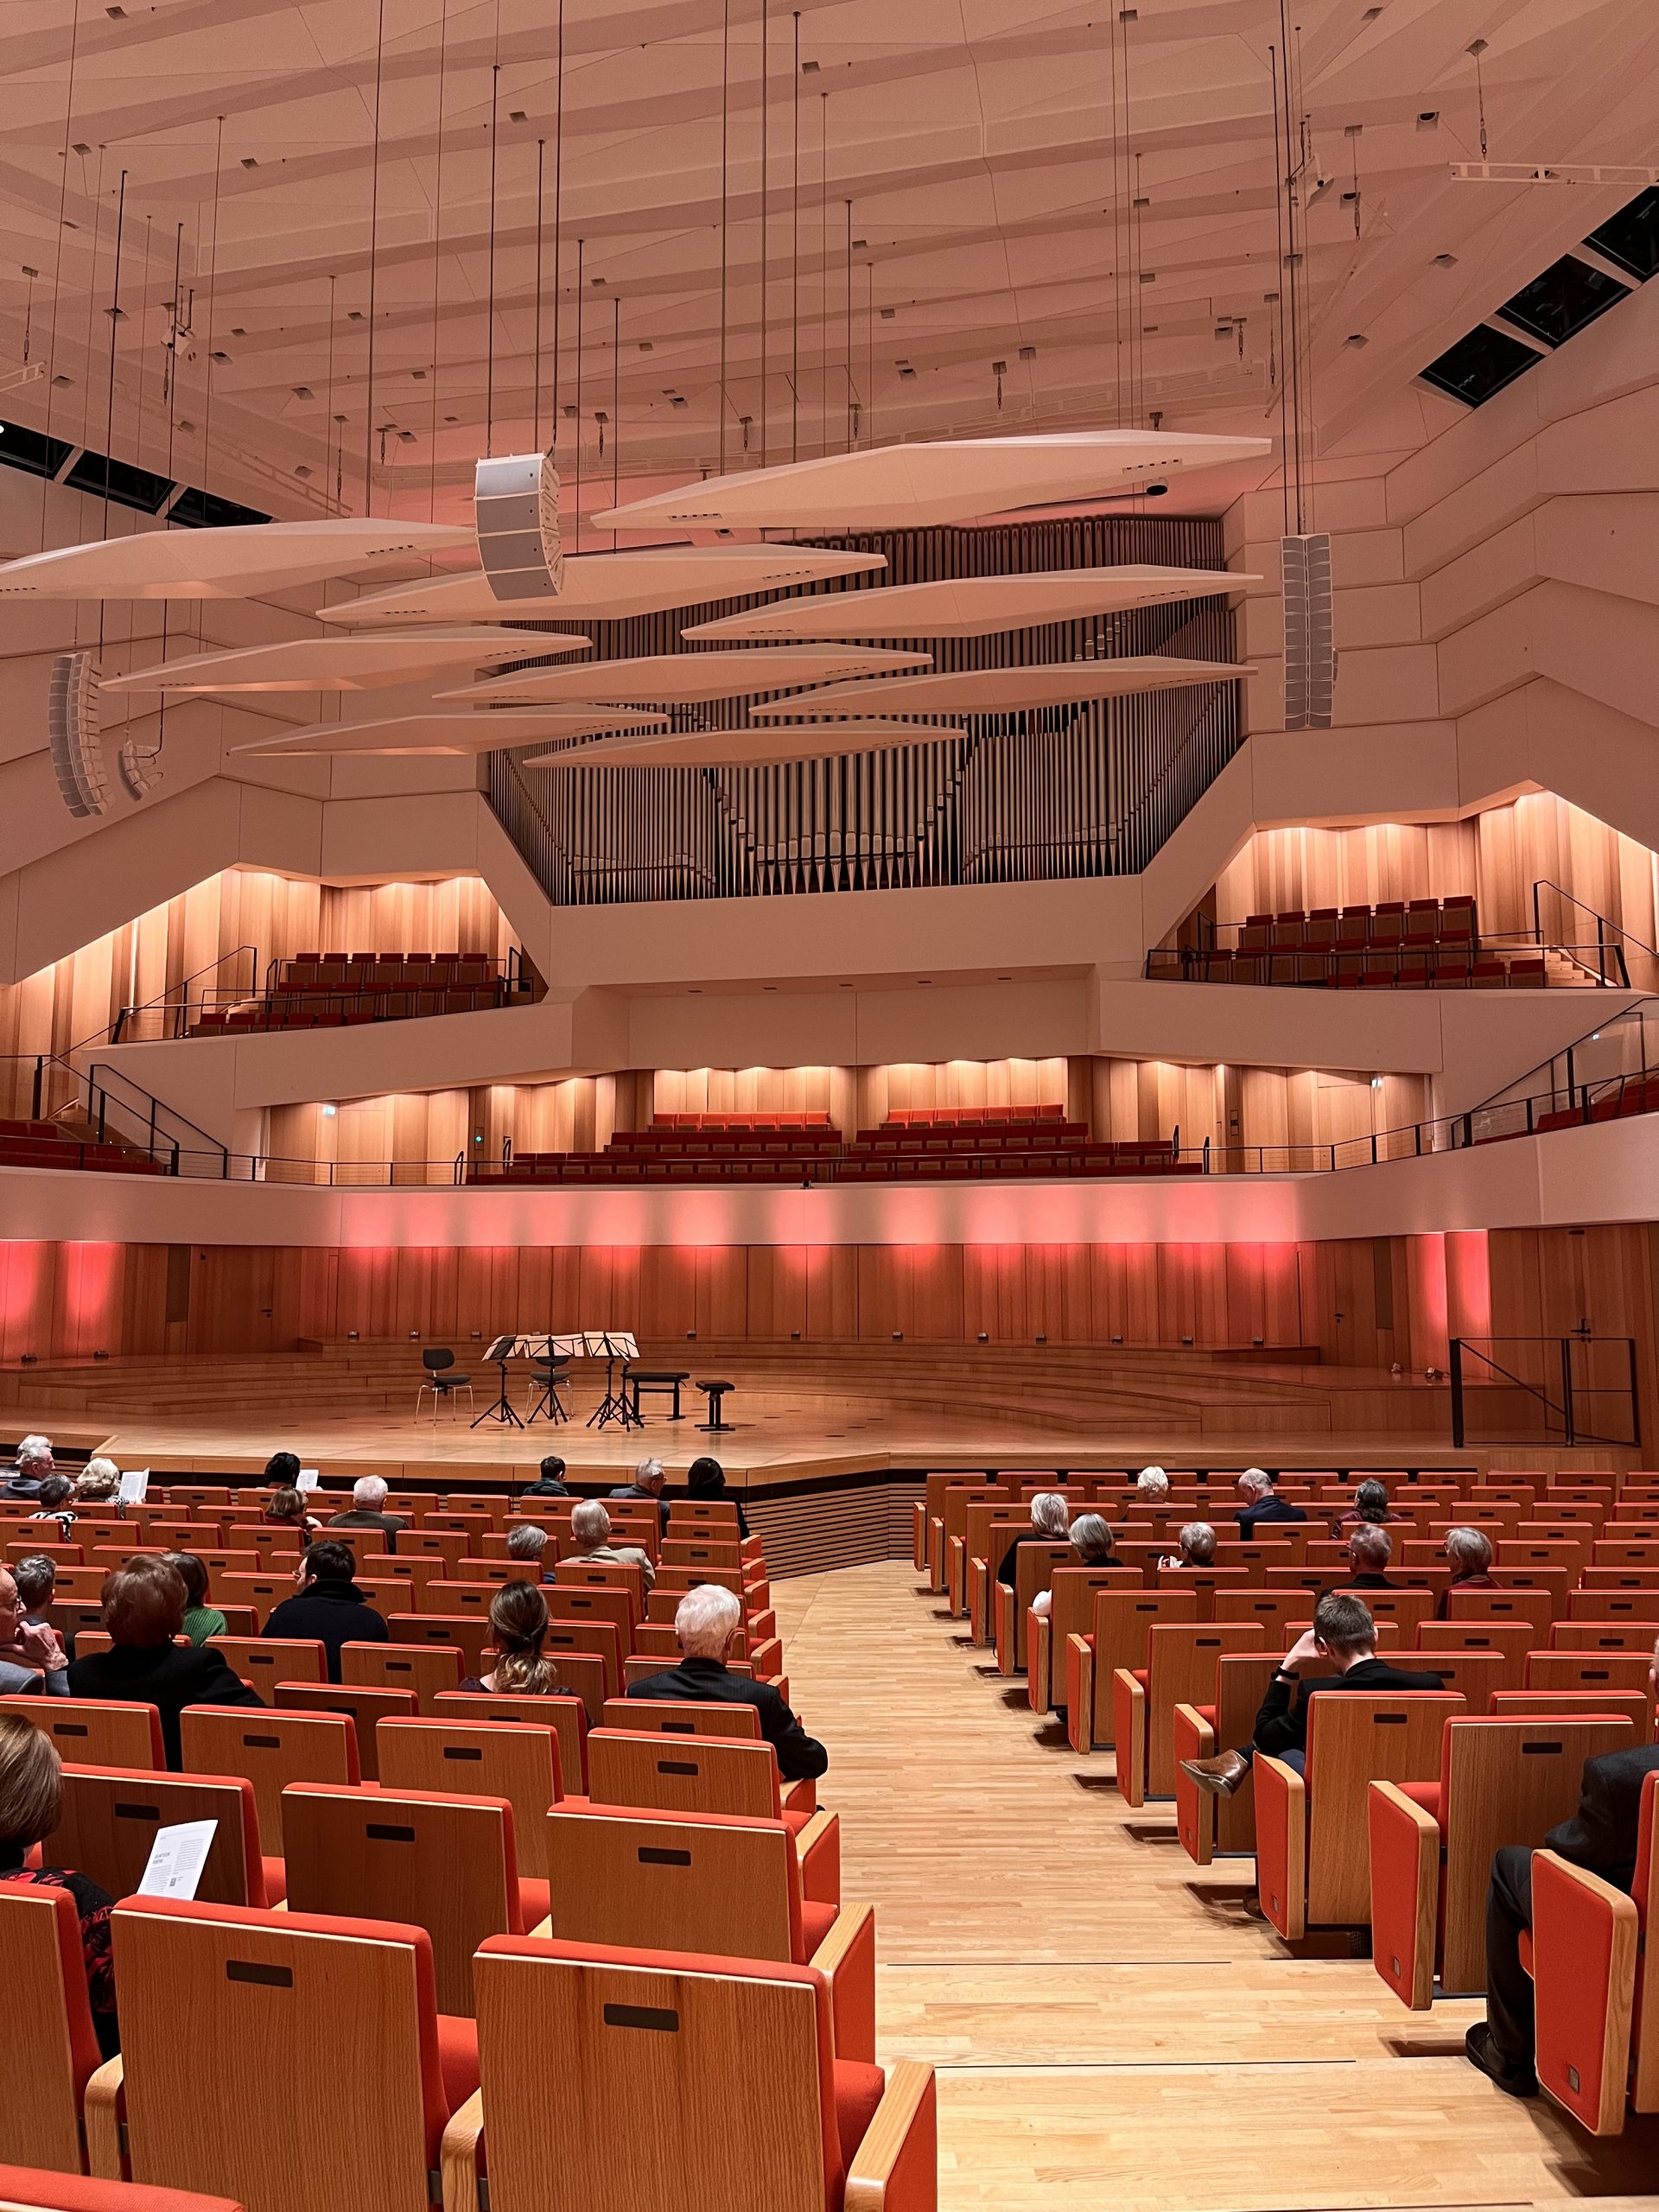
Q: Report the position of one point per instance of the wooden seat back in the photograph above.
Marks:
(1124, 1622)
(566, 1715)
(1534, 1607)
(48, 2069)
(362, 1704)
(1354, 1739)
(95, 1734)
(108, 1817)
(713, 1774)
(469, 1632)
(1273, 1611)
(1603, 1672)
(425, 1668)
(265, 1660)
(720, 1885)
(602, 1574)
(669, 1717)
(683, 1551)
(1034, 1566)
(1511, 1640)
(443, 1863)
(262, 1991)
(673, 2030)
(585, 1605)
(1616, 1606)
(702, 1516)
(270, 1750)
(1182, 1659)
(480, 1758)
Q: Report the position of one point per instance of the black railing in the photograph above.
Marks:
(94, 1113)
(1490, 966)
(1558, 1390)
(169, 1013)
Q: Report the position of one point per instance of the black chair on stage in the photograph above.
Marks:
(714, 1392)
(550, 1378)
(442, 1379)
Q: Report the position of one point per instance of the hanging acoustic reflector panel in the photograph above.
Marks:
(1310, 653)
(72, 736)
(516, 512)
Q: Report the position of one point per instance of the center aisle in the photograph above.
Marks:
(1110, 2023)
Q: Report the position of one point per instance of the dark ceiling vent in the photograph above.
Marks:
(1630, 238)
(1564, 300)
(1480, 364)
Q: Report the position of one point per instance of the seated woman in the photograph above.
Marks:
(30, 1786)
(1470, 1551)
(285, 1508)
(518, 1626)
(1368, 1510)
(56, 1502)
(1050, 1524)
(143, 1611)
(1150, 1486)
(706, 1478)
(1092, 1539)
(202, 1622)
(97, 1489)
(1198, 1542)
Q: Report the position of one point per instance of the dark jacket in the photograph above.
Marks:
(1367, 1582)
(544, 1487)
(1281, 1726)
(632, 1489)
(387, 1523)
(329, 1614)
(801, 1758)
(1009, 1567)
(169, 1678)
(1270, 1508)
(1601, 1834)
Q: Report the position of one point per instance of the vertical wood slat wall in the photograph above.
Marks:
(1083, 790)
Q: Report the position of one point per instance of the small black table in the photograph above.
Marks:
(663, 1380)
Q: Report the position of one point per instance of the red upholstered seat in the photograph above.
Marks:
(76, 2193)
(457, 2058)
(858, 2092)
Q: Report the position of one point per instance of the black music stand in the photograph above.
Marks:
(614, 1404)
(503, 1410)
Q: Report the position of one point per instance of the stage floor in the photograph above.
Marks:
(1111, 2023)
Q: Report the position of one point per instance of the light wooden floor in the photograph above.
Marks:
(1112, 2024)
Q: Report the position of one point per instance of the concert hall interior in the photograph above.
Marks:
(870, 1423)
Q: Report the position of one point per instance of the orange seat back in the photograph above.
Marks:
(94, 1733)
(48, 2069)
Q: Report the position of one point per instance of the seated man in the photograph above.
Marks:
(1601, 1837)
(648, 1479)
(1262, 1502)
(327, 1608)
(34, 1465)
(369, 1511)
(590, 1530)
(705, 1623)
(1337, 1653)
(32, 1661)
(551, 1481)
(1369, 1550)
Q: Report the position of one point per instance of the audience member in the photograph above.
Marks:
(1369, 1550)
(1470, 1551)
(98, 1485)
(1262, 1502)
(33, 1466)
(36, 1577)
(1600, 1836)
(705, 1622)
(1337, 1653)
(285, 1508)
(648, 1479)
(706, 1478)
(1090, 1536)
(551, 1481)
(31, 1784)
(1051, 1523)
(518, 1626)
(55, 1501)
(590, 1531)
(1198, 1542)
(202, 1622)
(1370, 1506)
(526, 1541)
(368, 1511)
(32, 1661)
(327, 1608)
(282, 1469)
(1152, 1485)
(143, 1611)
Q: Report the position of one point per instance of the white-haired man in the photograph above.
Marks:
(648, 1480)
(368, 1511)
(1369, 1550)
(35, 1464)
(707, 1619)
(590, 1532)
(1260, 1502)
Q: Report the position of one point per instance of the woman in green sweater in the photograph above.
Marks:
(202, 1622)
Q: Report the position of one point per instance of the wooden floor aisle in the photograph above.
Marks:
(1111, 2023)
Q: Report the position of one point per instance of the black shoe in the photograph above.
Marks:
(1481, 2050)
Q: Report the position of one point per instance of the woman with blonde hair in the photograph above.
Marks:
(31, 1786)
(285, 1508)
(518, 1626)
(98, 1483)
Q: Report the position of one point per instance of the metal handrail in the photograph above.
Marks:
(1604, 927)
(165, 999)
(1304, 967)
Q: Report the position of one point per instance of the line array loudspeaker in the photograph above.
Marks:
(516, 514)
(72, 736)
(1310, 652)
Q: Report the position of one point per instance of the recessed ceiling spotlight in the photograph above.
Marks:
(81, 147)
(1142, 201)
(237, 331)
(419, 375)
(116, 14)
(406, 437)
(860, 246)
(515, 115)
(1149, 330)
(678, 400)
(1027, 353)
(1356, 338)
(1445, 261)
(220, 355)
(249, 163)
(1429, 119)
(354, 315)
(646, 347)
(303, 392)
(1148, 275)
(809, 68)
(908, 372)
(1371, 14)
(28, 271)
(888, 313)
(63, 380)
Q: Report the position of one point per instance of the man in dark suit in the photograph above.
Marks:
(143, 1611)
(1369, 1550)
(648, 1480)
(705, 1622)
(327, 1608)
(551, 1481)
(1337, 1653)
(1600, 1836)
(1262, 1502)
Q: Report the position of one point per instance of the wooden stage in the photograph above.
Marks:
(1112, 2024)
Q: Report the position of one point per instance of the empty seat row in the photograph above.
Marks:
(1391, 922)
